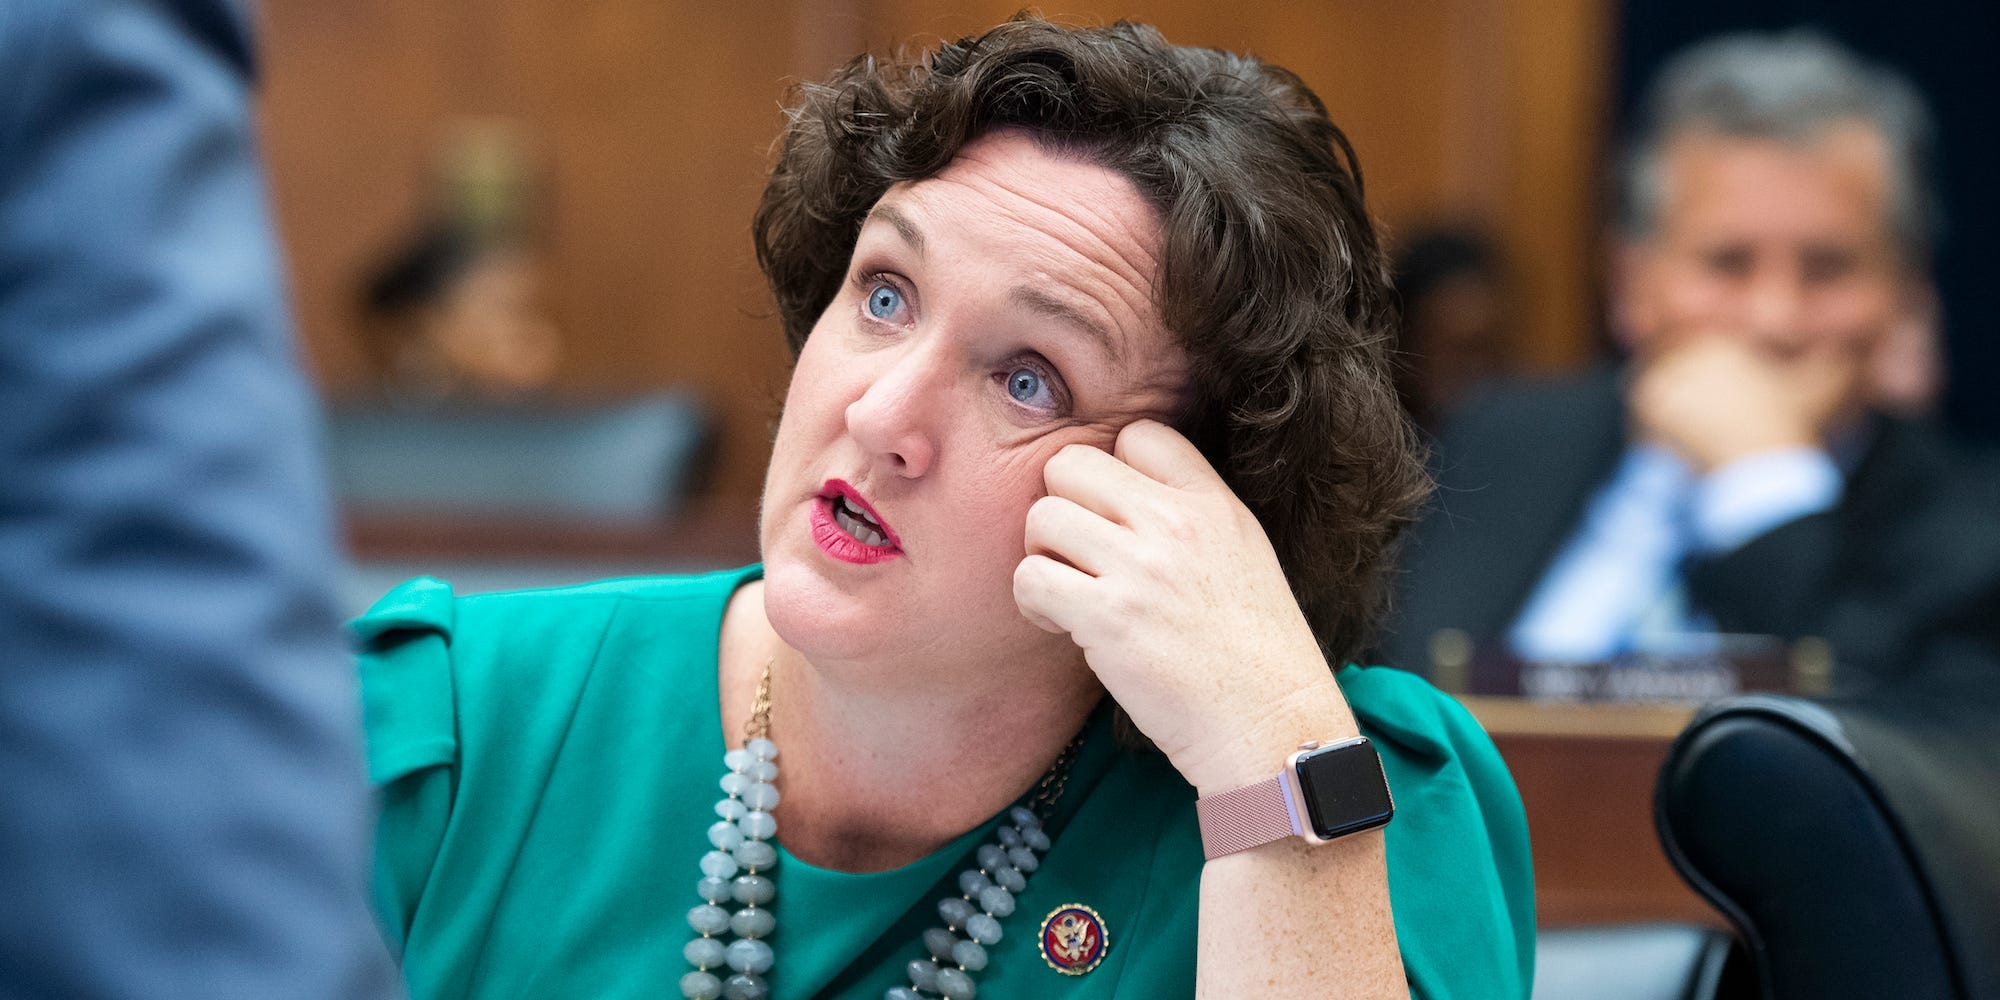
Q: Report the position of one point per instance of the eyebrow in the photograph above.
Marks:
(1033, 299)
(1038, 301)
(901, 223)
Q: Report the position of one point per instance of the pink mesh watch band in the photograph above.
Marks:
(1247, 817)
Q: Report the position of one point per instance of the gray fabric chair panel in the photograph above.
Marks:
(622, 462)
(1662, 961)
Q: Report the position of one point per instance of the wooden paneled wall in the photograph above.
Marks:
(651, 123)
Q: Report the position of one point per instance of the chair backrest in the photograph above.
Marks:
(1855, 845)
(619, 462)
(1653, 961)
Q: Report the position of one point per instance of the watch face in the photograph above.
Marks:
(1344, 788)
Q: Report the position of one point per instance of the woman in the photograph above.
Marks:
(460, 317)
(1042, 286)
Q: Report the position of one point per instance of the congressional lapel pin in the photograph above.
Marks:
(1074, 939)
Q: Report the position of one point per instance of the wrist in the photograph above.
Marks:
(1326, 791)
(1260, 749)
(1719, 451)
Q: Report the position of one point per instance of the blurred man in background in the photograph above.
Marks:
(1775, 235)
(186, 815)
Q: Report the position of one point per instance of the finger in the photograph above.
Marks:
(1062, 529)
(1051, 594)
(1096, 481)
(1162, 454)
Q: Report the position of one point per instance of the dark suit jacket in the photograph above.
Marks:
(185, 811)
(1904, 571)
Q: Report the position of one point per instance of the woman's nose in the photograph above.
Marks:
(894, 419)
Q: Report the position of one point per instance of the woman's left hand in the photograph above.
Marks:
(1165, 579)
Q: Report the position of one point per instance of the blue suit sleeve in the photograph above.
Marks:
(187, 808)
(1754, 495)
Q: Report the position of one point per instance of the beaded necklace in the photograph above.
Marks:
(735, 871)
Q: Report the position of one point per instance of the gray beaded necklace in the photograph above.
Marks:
(743, 851)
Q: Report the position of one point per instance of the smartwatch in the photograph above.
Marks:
(1325, 791)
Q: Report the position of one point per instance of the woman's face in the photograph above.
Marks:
(994, 313)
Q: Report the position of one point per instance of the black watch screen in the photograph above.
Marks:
(1344, 788)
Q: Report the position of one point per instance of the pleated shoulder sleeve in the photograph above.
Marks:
(407, 701)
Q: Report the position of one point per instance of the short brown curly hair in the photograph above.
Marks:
(1271, 276)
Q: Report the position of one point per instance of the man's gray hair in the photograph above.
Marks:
(1791, 87)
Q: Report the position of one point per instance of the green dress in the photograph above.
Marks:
(548, 763)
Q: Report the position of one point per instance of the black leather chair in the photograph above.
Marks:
(1855, 845)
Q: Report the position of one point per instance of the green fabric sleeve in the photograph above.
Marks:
(407, 701)
(1506, 824)
(1461, 878)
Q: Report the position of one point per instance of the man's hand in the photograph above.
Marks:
(1168, 583)
(1715, 399)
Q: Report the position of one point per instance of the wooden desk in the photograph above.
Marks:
(1586, 776)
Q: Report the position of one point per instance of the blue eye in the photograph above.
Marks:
(883, 301)
(1027, 385)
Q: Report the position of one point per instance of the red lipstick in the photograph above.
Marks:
(847, 528)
